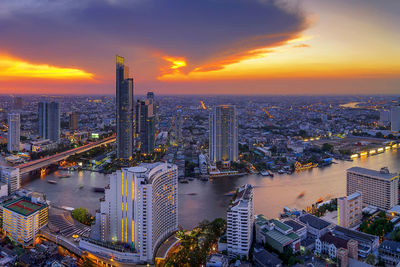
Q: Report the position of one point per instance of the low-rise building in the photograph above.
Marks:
(366, 243)
(276, 234)
(217, 260)
(389, 252)
(329, 244)
(43, 145)
(316, 227)
(299, 228)
(23, 218)
(264, 258)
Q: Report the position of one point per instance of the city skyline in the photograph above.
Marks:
(310, 47)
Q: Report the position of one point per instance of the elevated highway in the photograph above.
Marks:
(43, 162)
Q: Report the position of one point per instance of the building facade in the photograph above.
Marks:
(395, 118)
(389, 252)
(23, 218)
(14, 128)
(378, 188)
(11, 177)
(124, 110)
(74, 121)
(223, 140)
(49, 121)
(349, 210)
(140, 208)
(145, 125)
(240, 218)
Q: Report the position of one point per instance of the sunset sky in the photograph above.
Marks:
(201, 46)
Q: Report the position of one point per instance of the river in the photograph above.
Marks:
(209, 200)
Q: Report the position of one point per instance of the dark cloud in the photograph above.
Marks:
(202, 31)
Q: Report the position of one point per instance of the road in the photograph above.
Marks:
(43, 162)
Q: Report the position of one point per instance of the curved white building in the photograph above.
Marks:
(140, 209)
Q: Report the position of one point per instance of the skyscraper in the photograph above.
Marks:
(74, 121)
(14, 128)
(395, 118)
(240, 218)
(178, 125)
(140, 209)
(49, 120)
(124, 110)
(145, 125)
(223, 144)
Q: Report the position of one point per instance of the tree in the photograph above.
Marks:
(327, 147)
(379, 135)
(82, 215)
(371, 259)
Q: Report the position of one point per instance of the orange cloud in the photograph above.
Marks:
(12, 68)
(301, 46)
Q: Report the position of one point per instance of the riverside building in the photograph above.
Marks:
(378, 188)
(139, 211)
(240, 219)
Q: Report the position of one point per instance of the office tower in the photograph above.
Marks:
(223, 145)
(140, 209)
(395, 118)
(14, 128)
(349, 210)
(11, 177)
(240, 218)
(150, 97)
(145, 126)
(378, 188)
(178, 125)
(18, 103)
(74, 121)
(23, 218)
(49, 121)
(124, 110)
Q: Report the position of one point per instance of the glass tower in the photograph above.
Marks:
(124, 110)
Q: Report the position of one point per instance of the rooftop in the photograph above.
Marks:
(330, 239)
(24, 206)
(295, 225)
(390, 245)
(373, 173)
(314, 221)
(267, 258)
(353, 234)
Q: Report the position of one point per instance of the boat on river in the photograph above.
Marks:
(52, 181)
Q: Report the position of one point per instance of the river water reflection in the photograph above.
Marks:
(200, 200)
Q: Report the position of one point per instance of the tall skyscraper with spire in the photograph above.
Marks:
(124, 110)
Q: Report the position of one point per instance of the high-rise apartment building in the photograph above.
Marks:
(145, 126)
(140, 209)
(14, 128)
(124, 110)
(349, 210)
(378, 188)
(74, 121)
(18, 103)
(240, 219)
(49, 120)
(11, 177)
(23, 218)
(223, 145)
(395, 118)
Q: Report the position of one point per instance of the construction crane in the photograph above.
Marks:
(266, 112)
